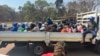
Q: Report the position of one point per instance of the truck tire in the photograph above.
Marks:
(38, 49)
(98, 48)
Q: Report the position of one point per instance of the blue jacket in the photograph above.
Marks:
(14, 27)
(49, 21)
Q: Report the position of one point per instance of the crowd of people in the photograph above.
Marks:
(67, 26)
(64, 26)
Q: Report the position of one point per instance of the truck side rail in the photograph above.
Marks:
(42, 36)
(69, 37)
(22, 36)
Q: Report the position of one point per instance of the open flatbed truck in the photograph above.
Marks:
(41, 40)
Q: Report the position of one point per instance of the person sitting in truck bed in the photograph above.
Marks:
(64, 29)
(54, 28)
(59, 27)
(43, 28)
(30, 27)
(36, 28)
(69, 28)
(21, 28)
(49, 21)
(14, 27)
(1, 28)
(79, 28)
(92, 28)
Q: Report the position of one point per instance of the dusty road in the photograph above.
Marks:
(22, 51)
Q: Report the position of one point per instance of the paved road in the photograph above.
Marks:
(22, 51)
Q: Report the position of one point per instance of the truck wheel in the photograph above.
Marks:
(38, 49)
(98, 48)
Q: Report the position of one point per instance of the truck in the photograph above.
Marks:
(41, 40)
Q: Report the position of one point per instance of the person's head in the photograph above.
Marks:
(65, 26)
(54, 25)
(23, 25)
(69, 25)
(79, 24)
(15, 24)
(91, 18)
(49, 21)
(40, 24)
(32, 25)
(43, 25)
(59, 49)
(0, 26)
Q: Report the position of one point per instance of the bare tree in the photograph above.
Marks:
(60, 7)
(78, 6)
(72, 8)
(97, 3)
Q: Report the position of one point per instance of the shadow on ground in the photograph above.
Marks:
(75, 51)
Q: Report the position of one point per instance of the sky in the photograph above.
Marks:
(16, 3)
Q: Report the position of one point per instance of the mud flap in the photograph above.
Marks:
(97, 46)
(0, 44)
(3, 44)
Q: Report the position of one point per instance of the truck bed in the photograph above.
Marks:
(42, 36)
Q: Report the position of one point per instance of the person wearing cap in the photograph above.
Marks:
(1, 28)
(92, 28)
(49, 21)
(79, 28)
(69, 29)
(43, 28)
(21, 28)
(14, 27)
(64, 29)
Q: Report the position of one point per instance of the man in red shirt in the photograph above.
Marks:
(48, 54)
(59, 50)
